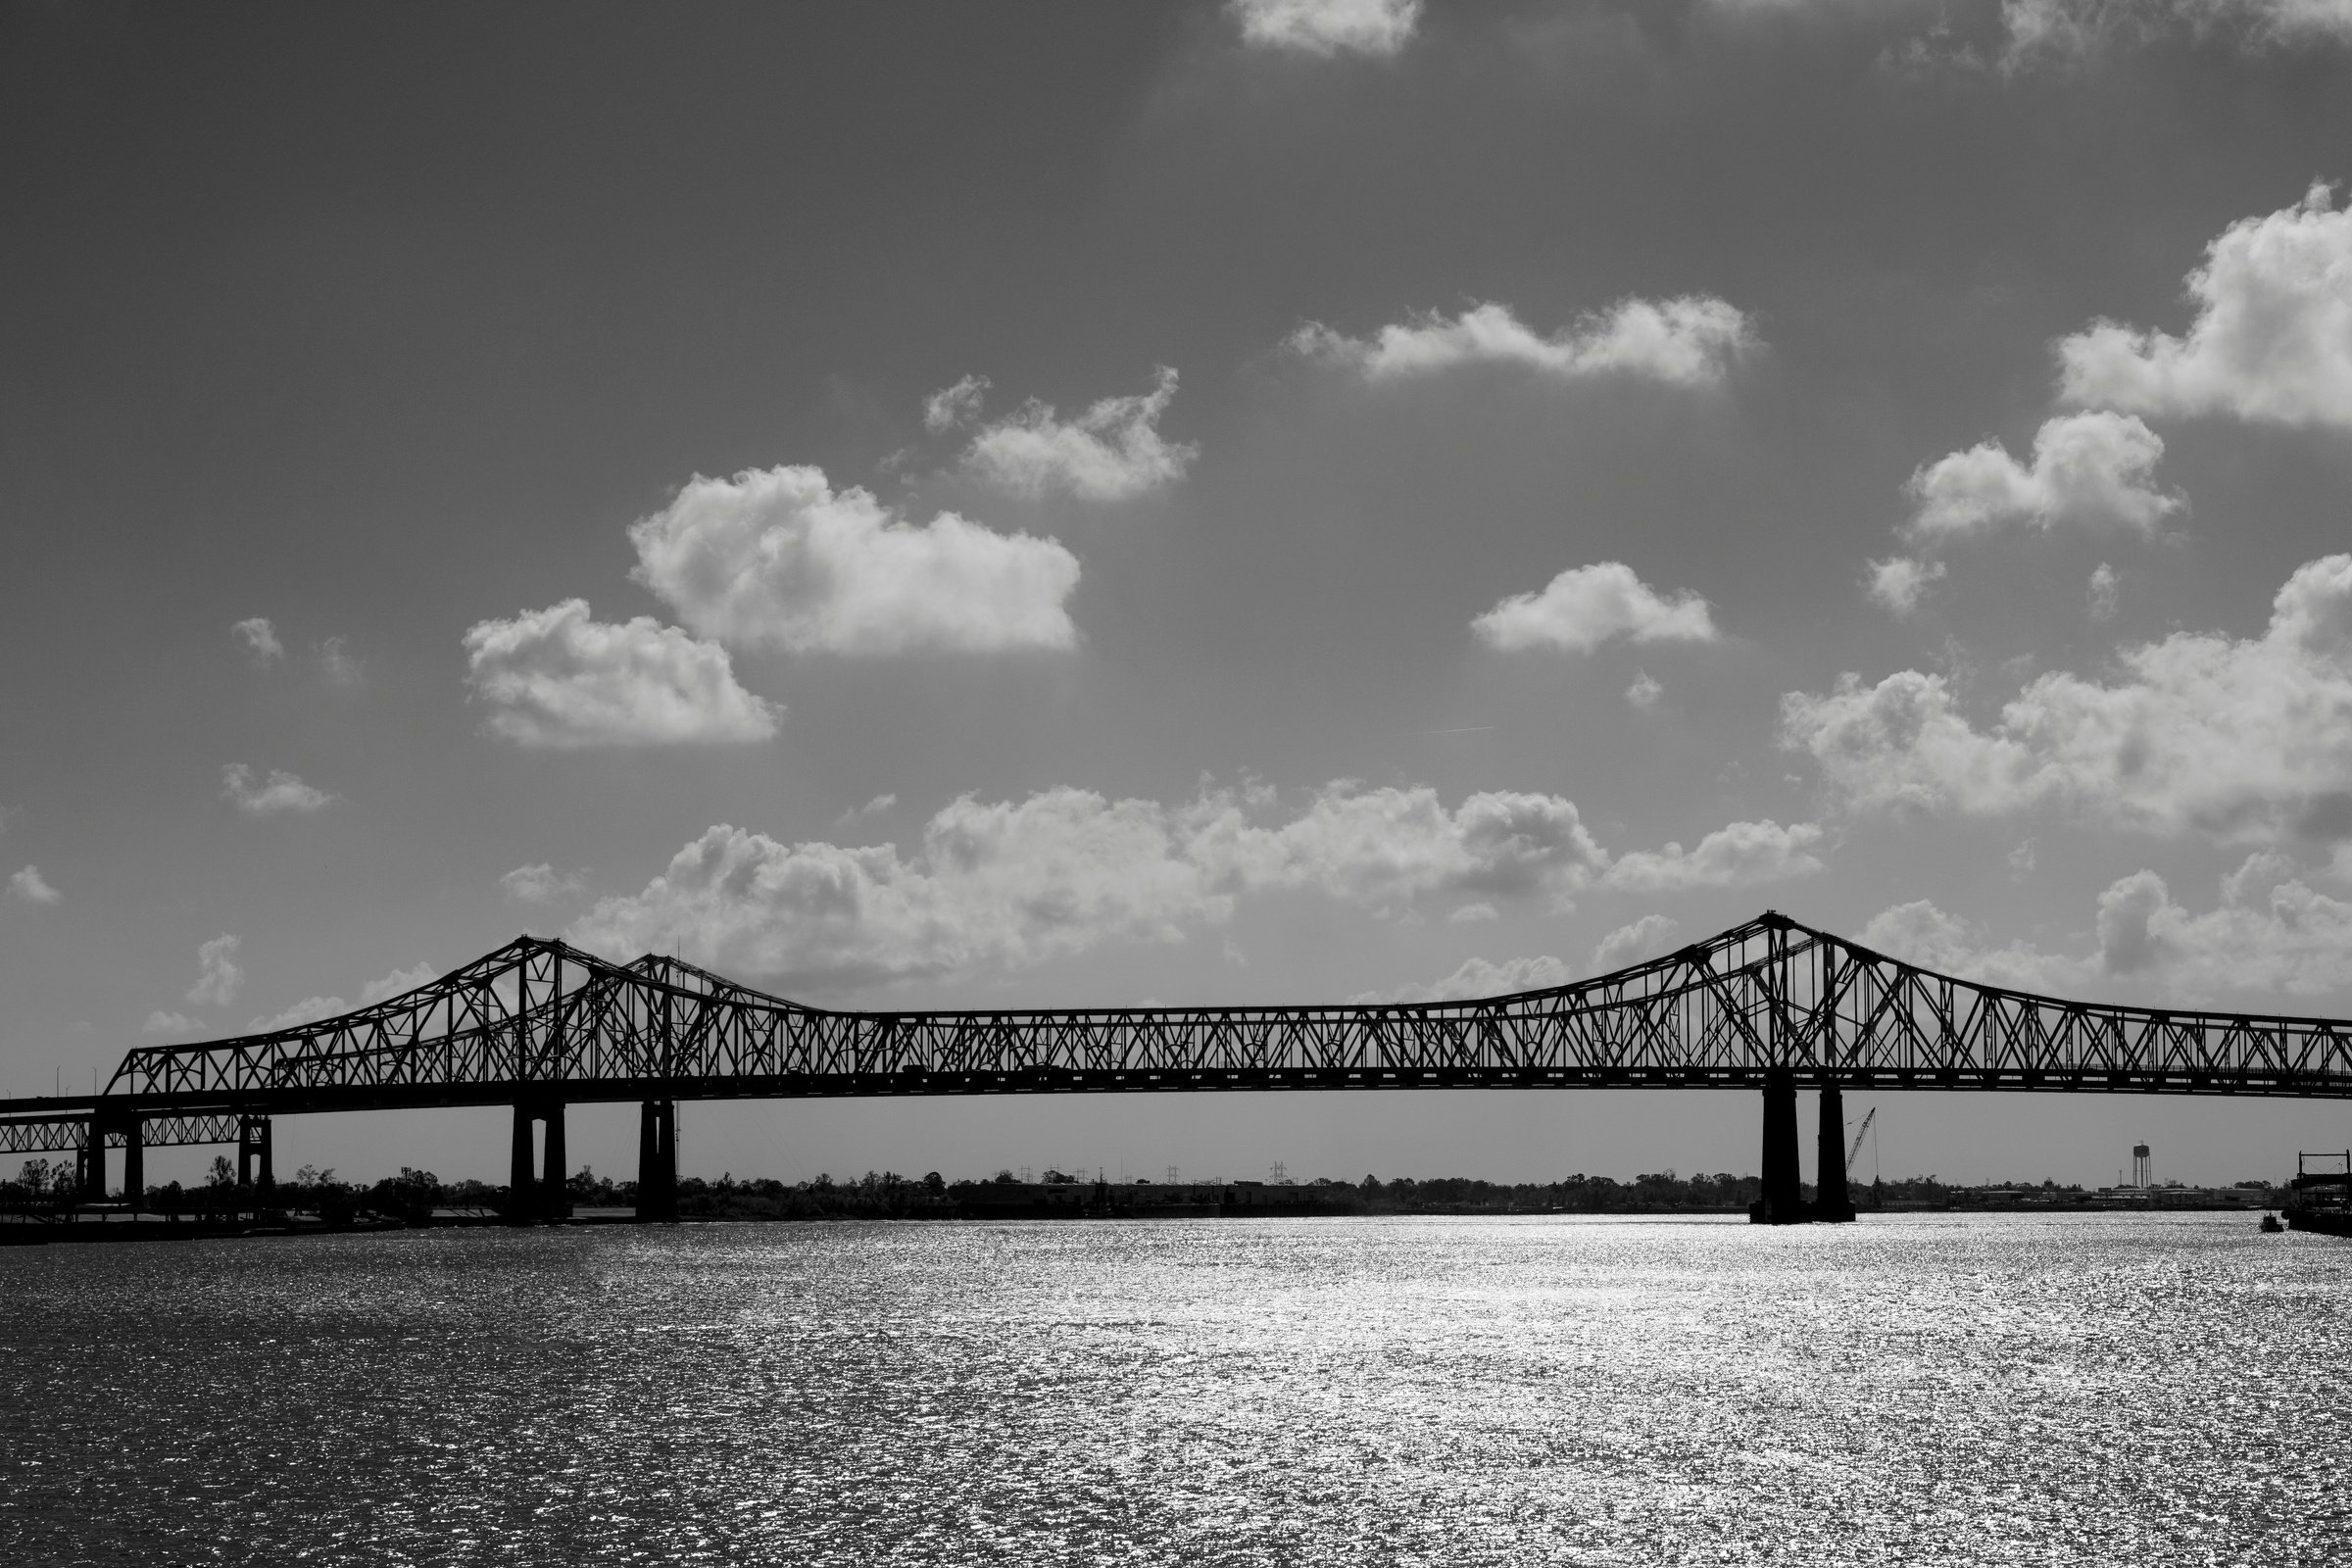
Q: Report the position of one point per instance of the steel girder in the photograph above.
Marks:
(29, 1135)
(538, 1018)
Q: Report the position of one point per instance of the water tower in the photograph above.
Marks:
(2142, 1175)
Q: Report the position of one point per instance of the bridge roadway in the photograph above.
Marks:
(1771, 1004)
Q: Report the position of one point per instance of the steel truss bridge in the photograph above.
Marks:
(1771, 1004)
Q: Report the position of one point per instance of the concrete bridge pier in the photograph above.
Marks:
(535, 1190)
(1783, 1202)
(658, 1161)
(555, 1198)
(255, 1171)
(134, 1161)
(1833, 1203)
(520, 1189)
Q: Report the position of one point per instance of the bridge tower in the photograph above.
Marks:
(658, 1161)
(1783, 1202)
(534, 1197)
(1832, 1200)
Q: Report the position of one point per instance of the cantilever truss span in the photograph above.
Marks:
(1770, 1001)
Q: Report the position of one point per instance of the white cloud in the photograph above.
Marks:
(281, 791)
(2272, 339)
(219, 974)
(2100, 600)
(1011, 884)
(260, 639)
(33, 887)
(1628, 945)
(2246, 741)
(542, 884)
(1388, 847)
(2060, 32)
(1328, 27)
(1645, 694)
(1739, 855)
(397, 983)
(1689, 342)
(774, 557)
(558, 678)
(309, 1010)
(952, 405)
(336, 663)
(1003, 885)
(1900, 582)
(1112, 452)
(2088, 471)
(1478, 979)
(2270, 933)
(873, 807)
(1585, 606)
(1473, 915)
(171, 1024)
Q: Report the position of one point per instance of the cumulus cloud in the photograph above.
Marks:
(258, 796)
(560, 679)
(1628, 945)
(260, 639)
(1690, 341)
(217, 974)
(171, 1024)
(336, 663)
(776, 558)
(952, 405)
(33, 887)
(1003, 885)
(2272, 339)
(541, 884)
(1010, 884)
(2270, 932)
(1478, 979)
(1645, 693)
(1585, 606)
(1740, 855)
(1327, 28)
(2088, 471)
(2059, 32)
(1900, 582)
(309, 1010)
(1112, 452)
(2241, 740)
(2099, 600)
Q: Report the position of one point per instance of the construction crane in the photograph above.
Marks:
(1861, 1133)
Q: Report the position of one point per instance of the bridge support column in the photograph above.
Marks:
(1783, 1202)
(658, 1161)
(134, 1161)
(555, 1198)
(255, 1171)
(1833, 1204)
(523, 1193)
(89, 1164)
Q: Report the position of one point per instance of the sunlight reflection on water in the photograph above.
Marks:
(2080, 1388)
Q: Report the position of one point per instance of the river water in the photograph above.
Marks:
(1951, 1388)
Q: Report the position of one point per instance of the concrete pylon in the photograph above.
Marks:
(522, 1191)
(1783, 1202)
(555, 1198)
(1833, 1202)
(658, 1161)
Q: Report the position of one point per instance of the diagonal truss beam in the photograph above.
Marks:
(540, 1019)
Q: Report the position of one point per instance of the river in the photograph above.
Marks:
(2096, 1388)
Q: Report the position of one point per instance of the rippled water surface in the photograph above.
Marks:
(2094, 1389)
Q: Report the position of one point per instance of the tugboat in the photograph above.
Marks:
(2270, 1225)
(2323, 1199)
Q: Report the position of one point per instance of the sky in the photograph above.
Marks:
(938, 504)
